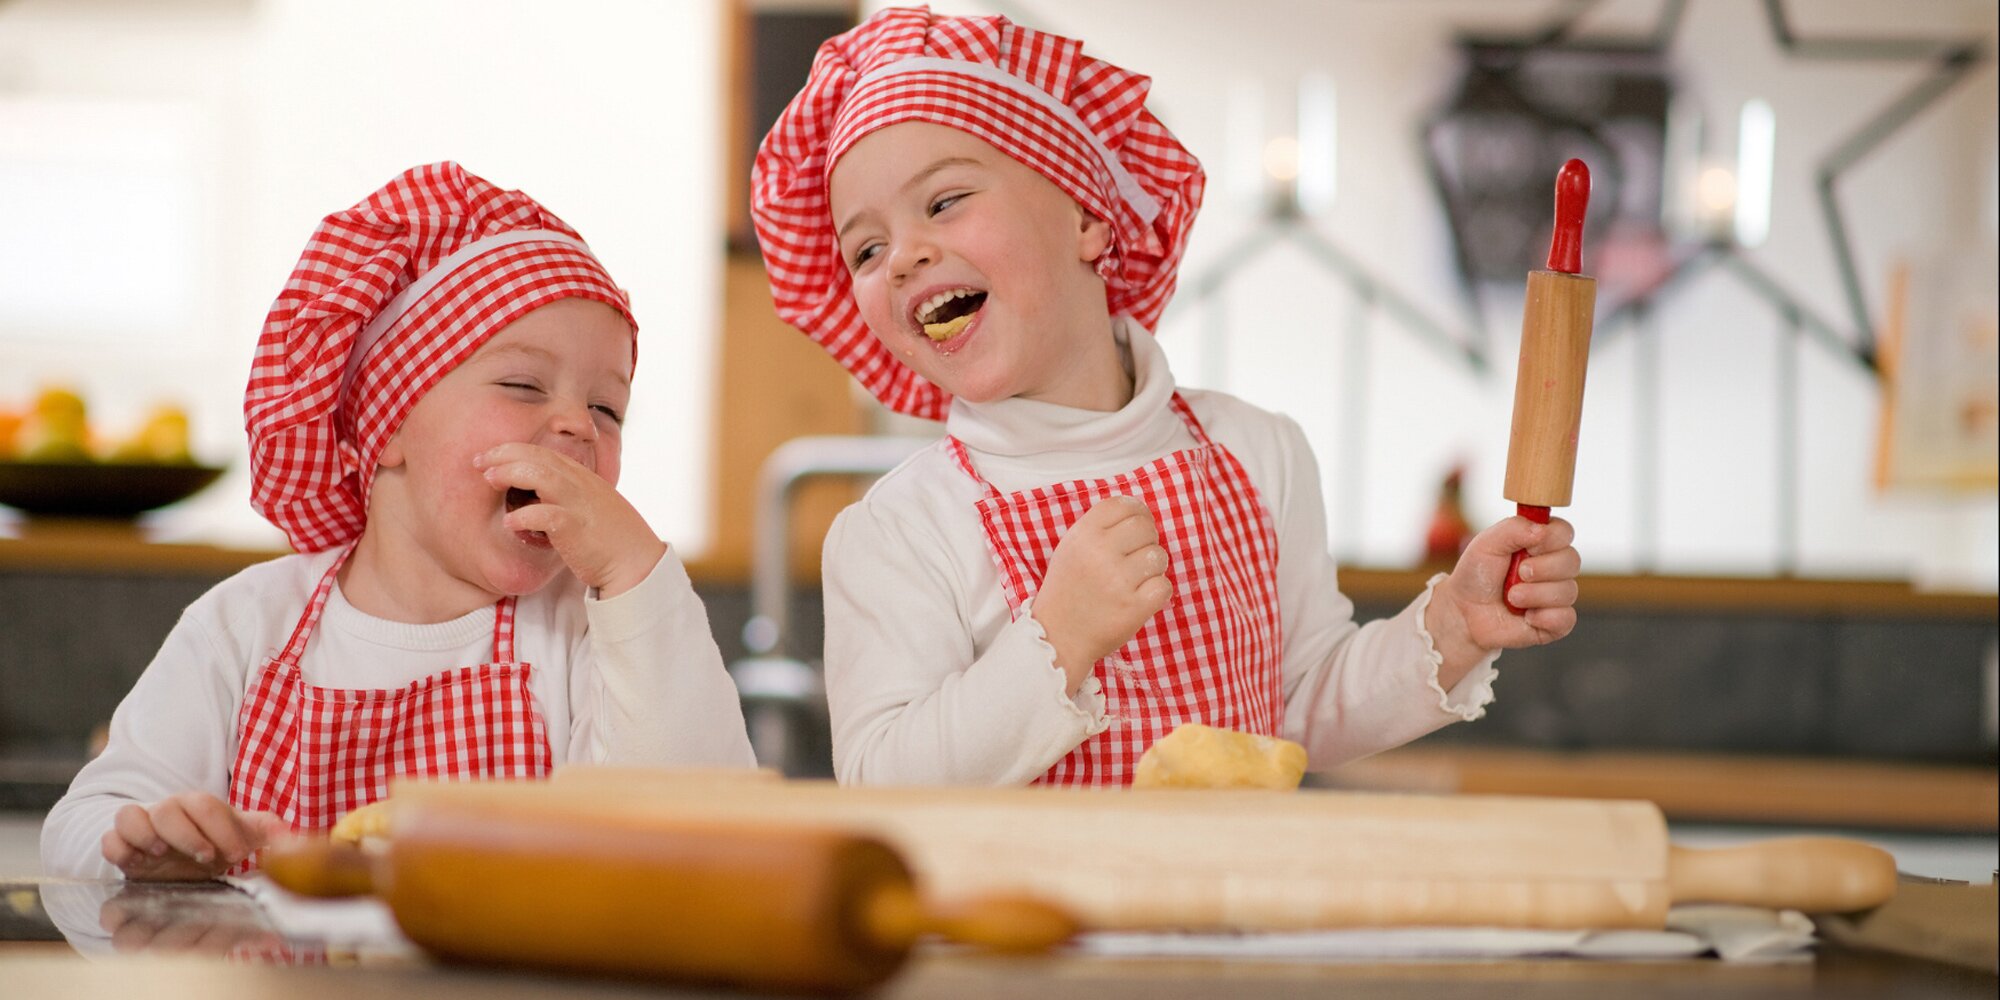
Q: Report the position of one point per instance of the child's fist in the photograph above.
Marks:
(1107, 576)
(1468, 613)
(193, 835)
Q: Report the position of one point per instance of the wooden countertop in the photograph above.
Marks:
(47, 974)
(1702, 787)
(58, 545)
(114, 547)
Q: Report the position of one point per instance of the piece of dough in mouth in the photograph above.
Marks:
(1198, 756)
(949, 328)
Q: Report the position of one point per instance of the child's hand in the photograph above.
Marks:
(1468, 617)
(1107, 576)
(193, 835)
(595, 530)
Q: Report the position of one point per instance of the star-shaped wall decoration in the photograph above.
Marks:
(1507, 79)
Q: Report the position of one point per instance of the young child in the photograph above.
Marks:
(434, 414)
(983, 224)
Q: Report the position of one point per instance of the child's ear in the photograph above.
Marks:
(1093, 236)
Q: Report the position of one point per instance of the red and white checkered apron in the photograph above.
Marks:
(313, 754)
(1212, 655)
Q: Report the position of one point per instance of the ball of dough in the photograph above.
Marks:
(369, 821)
(1198, 756)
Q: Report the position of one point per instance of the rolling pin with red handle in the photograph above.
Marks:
(782, 908)
(1548, 385)
(1122, 859)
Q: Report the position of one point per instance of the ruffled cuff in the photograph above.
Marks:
(1088, 701)
(1469, 697)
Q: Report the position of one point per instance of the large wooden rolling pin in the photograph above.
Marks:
(1253, 860)
(1548, 384)
(491, 880)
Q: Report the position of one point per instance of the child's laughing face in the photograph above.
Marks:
(972, 267)
(558, 377)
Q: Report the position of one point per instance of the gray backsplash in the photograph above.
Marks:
(72, 643)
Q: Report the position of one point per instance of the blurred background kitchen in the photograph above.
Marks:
(1786, 488)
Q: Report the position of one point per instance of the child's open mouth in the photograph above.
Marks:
(518, 498)
(947, 314)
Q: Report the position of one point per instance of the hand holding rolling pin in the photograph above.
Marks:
(1515, 585)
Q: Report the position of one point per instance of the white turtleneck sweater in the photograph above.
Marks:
(931, 681)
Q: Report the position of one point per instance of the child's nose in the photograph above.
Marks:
(573, 432)
(911, 257)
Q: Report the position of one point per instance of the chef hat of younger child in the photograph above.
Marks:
(1081, 122)
(388, 297)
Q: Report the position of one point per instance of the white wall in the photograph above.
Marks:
(1923, 192)
(607, 112)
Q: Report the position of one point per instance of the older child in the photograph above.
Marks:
(434, 414)
(983, 224)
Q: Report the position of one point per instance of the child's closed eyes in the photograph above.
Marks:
(531, 390)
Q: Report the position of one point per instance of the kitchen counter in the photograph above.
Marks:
(179, 951)
(209, 941)
(32, 977)
(82, 545)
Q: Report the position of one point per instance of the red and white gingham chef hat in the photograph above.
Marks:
(389, 296)
(1080, 121)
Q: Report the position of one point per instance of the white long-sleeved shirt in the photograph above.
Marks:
(931, 681)
(635, 679)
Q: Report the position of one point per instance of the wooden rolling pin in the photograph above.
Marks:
(775, 908)
(1256, 860)
(1548, 384)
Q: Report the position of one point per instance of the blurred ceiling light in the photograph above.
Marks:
(1715, 202)
(1281, 158)
(1756, 154)
(1317, 144)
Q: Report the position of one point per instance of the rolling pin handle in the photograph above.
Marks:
(1539, 515)
(320, 868)
(1809, 874)
(1572, 198)
(895, 918)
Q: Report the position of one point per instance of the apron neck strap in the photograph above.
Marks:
(296, 645)
(1186, 413)
(503, 630)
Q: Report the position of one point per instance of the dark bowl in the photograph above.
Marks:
(89, 489)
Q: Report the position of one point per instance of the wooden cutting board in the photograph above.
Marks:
(1250, 860)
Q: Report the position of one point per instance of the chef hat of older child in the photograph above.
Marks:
(388, 297)
(1081, 122)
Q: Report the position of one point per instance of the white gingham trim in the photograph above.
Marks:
(1142, 203)
(408, 297)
